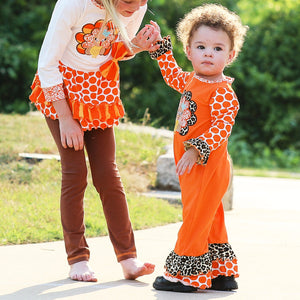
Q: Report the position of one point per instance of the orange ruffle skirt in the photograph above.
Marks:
(94, 100)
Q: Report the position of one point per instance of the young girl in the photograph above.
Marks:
(77, 88)
(202, 258)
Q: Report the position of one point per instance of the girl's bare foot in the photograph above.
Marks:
(81, 271)
(133, 268)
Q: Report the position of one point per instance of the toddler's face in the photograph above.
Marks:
(209, 51)
(127, 7)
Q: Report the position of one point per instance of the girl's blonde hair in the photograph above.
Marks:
(111, 13)
(216, 16)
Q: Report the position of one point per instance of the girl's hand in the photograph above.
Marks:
(187, 161)
(71, 133)
(146, 38)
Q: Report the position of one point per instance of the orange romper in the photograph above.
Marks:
(204, 120)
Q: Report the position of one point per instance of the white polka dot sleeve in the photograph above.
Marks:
(224, 107)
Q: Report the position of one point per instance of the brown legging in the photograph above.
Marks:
(100, 147)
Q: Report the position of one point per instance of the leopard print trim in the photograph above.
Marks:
(221, 252)
(165, 46)
(202, 147)
(188, 265)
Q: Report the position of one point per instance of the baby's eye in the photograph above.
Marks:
(218, 49)
(200, 47)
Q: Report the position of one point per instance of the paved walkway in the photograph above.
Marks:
(264, 229)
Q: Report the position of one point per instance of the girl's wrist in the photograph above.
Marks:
(134, 49)
(63, 110)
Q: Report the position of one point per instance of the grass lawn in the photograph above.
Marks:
(30, 190)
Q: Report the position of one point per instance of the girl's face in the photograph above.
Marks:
(209, 51)
(127, 7)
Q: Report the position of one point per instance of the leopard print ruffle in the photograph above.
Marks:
(188, 265)
(202, 147)
(165, 46)
(221, 252)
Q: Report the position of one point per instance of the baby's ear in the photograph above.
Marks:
(231, 56)
(188, 52)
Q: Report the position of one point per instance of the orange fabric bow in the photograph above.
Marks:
(110, 70)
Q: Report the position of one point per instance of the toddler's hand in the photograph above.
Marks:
(187, 161)
(156, 29)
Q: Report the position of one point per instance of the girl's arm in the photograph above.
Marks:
(132, 27)
(224, 107)
(59, 33)
(55, 42)
(144, 39)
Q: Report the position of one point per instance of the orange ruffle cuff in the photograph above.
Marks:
(93, 99)
(200, 281)
(225, 267)
(203, 280)
(198, 271)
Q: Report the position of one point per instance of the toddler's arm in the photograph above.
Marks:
(171, 72)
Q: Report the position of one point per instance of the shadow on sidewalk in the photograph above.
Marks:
(203, 295)
(69, 288)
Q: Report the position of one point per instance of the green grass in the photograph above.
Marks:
(266, 173)
(30, 190)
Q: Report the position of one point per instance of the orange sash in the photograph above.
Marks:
(110, 70)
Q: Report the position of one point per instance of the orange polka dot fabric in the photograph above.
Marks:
(172, 74)
(224, 267)
(224, 107)
(201, 281)
(94, 100)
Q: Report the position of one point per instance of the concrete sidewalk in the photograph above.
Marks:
(264, 230)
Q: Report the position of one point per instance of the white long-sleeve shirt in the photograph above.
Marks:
(69, 18)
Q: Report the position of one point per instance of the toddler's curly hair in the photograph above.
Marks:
(216, 16)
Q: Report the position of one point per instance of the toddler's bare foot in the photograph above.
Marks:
(81, 271)
(133, 268)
